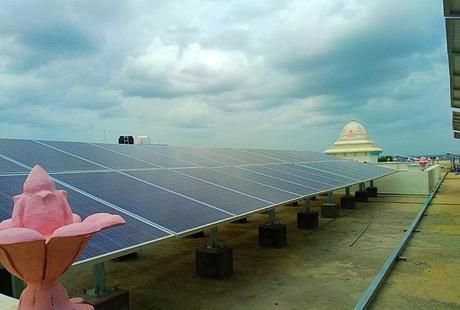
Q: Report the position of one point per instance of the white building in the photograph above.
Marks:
(354, 143)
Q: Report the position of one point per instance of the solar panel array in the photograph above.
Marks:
(165, 191)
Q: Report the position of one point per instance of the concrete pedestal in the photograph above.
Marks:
(330, 210)
(199, 234)
(361, 196)
(308, 219)
(214, 263)
(126, 257)
(348, 202)
(244, 220)
(272, 235)
(371, 191)
(116, 300)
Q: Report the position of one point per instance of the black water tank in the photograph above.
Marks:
(126, 140)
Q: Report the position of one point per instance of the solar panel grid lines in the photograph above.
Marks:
(126, 155)
(235, 155)
(190, 163)
(266, 156)
(115, 207)
(271, 193)
(190, 152)
(253, 181)
(311, 173)
(316, 177)
(291, 175)
(281, 179)
(267, 180)
(224, 187)
(32, 153)
(304, 167)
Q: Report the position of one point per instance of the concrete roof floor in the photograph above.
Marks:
(316, 270)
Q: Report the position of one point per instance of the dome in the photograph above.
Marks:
(353, 131)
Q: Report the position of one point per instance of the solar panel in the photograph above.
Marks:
(273, 194)
(101, 155)
(154, 155)
(164, 191)
(7, 167)
(229, 200)
(107, 241)
(32, 153)
(297, 189)
(160, 206)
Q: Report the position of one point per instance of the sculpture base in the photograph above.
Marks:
(116, 300)
(272, 235)
(330, 210)
(214, 263)
(361, 196)
(348, 202)
(49, 295)
(308, 219)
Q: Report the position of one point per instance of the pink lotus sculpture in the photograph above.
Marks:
(43, 238)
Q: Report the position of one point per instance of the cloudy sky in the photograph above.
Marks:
(272, 74)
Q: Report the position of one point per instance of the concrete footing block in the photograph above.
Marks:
(214, 263)
(116, 300)
(372, 191)
(126, 257)
(272, 235)
(243, 220)
(330, 210)
(199, 234)
(361, 196)
(308, 219)
(348, 202)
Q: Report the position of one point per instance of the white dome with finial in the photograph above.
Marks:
(353, 131)
(354, 143)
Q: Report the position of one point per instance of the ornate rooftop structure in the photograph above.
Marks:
(354, 143)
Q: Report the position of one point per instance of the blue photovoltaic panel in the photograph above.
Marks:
(269, 193)
(290, 177)
(237, 155)
(312, 171)
(186, 155)
(134, 232)
(216, 196)
(9, 167)
(32, 153)
(174, 212)
(148, 153)
(362, 172)
(308, 156)
(336, 170)
(317, 176)
(267, 180)
(216, 158)
(101, 156)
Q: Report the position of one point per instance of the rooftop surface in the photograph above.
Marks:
(317, 268)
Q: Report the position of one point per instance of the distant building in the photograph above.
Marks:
(354, 143)
(143, 140)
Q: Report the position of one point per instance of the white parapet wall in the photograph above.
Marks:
(409, 181)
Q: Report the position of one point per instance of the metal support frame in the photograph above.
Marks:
(376, 283)
(17, 286)
(330, 197)
(100, 285)
(307, 205)
(371, 183)
(362, 187)
(213, 241)
(347, 191)
(271, 217)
